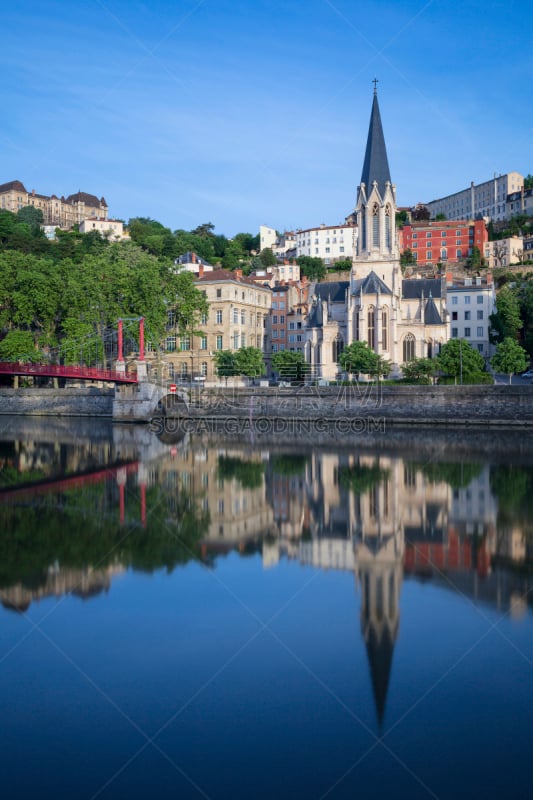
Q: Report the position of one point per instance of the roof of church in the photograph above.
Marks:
(316, 316)
(332, 290)
(431, 313)
(372, 284)
(380, 651)
(376, 164)
(413, 288)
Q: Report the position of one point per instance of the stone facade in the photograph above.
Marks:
(61, 212)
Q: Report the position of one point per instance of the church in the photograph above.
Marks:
(399, 319)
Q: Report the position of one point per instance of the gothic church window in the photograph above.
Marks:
(384, 329)
(409, 348)
(338, 347)
(375, 225)
(371, 329)
(388, 226)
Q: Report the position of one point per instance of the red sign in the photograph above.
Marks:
(172, 388)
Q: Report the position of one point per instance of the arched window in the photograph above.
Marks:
(375, 225)
(409, 348)
(384, 329)
(338, 347)
(388, 226)
(371, 329)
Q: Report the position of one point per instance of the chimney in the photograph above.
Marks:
(33, 192)
(489, 278)
(449, 279)
(238, 274)
(200, 270)
(193, 258)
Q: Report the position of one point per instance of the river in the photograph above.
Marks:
(222, 618)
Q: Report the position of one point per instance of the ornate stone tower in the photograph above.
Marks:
(377, 243)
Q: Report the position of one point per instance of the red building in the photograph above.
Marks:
(448, 241)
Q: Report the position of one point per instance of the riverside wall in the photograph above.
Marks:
(403, 405)
(82, 402)
(450, 406)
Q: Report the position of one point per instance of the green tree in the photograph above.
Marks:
(312, 268)
(459, 359)
(506, 322)
(246, 472)
(249, 362)
(441, 217)
(344, 265)
(225, 364)
(268, 259)
(475, 260)
(290, 364)
(19, 346)
(358, 357)
(528, 181)
(401, 218)
(233, 255)
(31, 216)
(419, 370)
(407, 258)
(509, 358)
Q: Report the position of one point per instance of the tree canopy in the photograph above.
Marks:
(290, 364)
(459, 359)
(509, 358)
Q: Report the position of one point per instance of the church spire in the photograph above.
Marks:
(376, 164)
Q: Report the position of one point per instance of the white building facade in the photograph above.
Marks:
(331, 243)
(470, 303)
(488, 199)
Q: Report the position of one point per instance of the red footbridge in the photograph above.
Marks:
(79, 372)
(67, 371)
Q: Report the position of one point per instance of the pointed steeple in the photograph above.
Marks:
(376, 164)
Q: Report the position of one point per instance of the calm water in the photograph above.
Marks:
(232, 620)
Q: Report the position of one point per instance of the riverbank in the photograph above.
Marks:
(351, 409)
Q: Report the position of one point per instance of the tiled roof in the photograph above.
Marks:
(412, 288)
(16, 186)
(431, 313)
(373, 284)
(218, 275)
(332, 290)
(88, 199)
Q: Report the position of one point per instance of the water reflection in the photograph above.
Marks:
(77, 513)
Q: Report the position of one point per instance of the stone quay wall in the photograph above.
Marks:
(82, 402)
(484, 406)
(404, 405)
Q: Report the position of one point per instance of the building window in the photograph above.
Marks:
(480, 299)
(203, 343)
(203, 320)
(467, 299)
(274, 348)
(184, 369)
(371, 329)
(243, 317)
(338, 347)
(275, 319)
(171, 370)
(243, 340)
(384, 330)
(235, 341)
(480, 330)
(219, 317)
(467, 332)
(170, 344)
(454, 315)
(235, 316)
(455, 333)
(219, 292)
(282, 319)
(409, 348)
(428, 255)
(480, 348)
(375, 225)
(185, 343)
(480, 314)
(467, 315)
(219, 343)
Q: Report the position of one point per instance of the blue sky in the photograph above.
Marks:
(242, 112)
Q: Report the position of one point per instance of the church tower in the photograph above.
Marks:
(377, 242)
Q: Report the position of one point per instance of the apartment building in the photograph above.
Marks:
(520, 202)
(487, 199)
(448, 241)
(504, 252)
(237, 317)
(112, 229)
(331, 243)
(470, 303)
(61, 212)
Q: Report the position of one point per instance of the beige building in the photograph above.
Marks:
(62, 212)
(488, 199)
(112, 229)
(238, 310)
(504, 252)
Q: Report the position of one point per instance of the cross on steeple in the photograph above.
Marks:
(375, 82)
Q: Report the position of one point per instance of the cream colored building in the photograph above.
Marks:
(504, 252)
(238, 310)
(62, 212)
(331, 243)
(488, 199)
(111, 229)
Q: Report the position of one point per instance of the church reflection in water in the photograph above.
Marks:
(382, 517)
